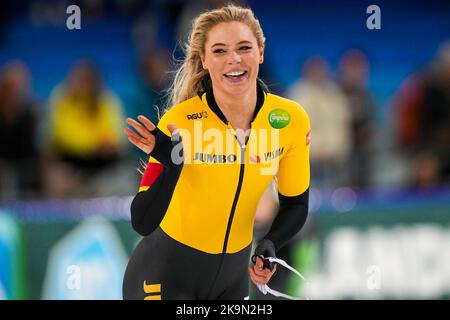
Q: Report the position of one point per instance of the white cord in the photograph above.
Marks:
(265, 289)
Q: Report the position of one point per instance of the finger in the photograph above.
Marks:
(254, 281)
(143, 144)
(252, 277)
(266, 272)
(257, 279)
(132, 134)
(259, 263)
(150, 140)
(260, 277)
(147, 123)
(139, 128)
(139, 144)
(263, 273)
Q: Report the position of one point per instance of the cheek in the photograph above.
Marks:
(253, 60)
(216, 66)
(254, 64)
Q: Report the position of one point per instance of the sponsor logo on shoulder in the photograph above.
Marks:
(199, 115)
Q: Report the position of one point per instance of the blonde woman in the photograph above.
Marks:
(196, 204)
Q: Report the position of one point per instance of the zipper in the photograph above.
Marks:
(238, 191)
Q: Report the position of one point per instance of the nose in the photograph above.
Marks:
(234, 58)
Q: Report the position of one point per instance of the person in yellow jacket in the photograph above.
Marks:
(85, 122)
(212, 156)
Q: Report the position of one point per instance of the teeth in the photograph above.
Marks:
(235, 73)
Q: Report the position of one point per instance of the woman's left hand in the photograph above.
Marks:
(260, 275)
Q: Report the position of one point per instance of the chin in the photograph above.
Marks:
(238, 88)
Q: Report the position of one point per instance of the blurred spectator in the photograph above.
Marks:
(407, 112)
(353, 74)
(436, 108)
(422, 113)
(330, 118)
(427, 169)
(85, 130)
(19, 156)
(436, 111)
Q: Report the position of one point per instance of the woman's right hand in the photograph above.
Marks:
(145, 140)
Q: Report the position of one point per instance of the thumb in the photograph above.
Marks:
(259, 263)
(172, 128)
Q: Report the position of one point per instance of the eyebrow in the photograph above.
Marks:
(223, 44)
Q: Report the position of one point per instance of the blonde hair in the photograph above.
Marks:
(187, 81)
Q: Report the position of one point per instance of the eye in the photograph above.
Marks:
(245, 48)
(219, 51)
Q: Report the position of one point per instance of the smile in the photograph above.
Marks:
(236, 76)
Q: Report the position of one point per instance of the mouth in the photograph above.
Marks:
(236, 76)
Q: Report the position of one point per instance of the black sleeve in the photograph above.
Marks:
(148, 207)
(290, 219)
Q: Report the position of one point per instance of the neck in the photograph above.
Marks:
(234, 106)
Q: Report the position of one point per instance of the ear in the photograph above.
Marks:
(261, 55)
(202, 58)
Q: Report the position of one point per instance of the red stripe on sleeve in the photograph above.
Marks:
(152, 172)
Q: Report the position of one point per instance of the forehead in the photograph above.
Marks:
(229, 33)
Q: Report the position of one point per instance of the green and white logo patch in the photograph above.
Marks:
(279, 118)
